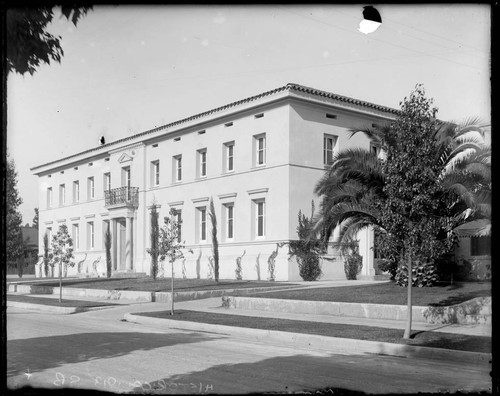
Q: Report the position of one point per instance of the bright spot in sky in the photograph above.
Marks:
(326, 54)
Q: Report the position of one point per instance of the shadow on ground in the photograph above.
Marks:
(43, 353)
(331, 374)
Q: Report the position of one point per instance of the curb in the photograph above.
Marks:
(475, 311)
(324, 343)
(137, 296)
(52, 308)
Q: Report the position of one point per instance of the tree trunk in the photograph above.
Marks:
(409, 314)
(172, 290)
(60, 282)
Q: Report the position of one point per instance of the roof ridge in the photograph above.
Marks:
(288, 86)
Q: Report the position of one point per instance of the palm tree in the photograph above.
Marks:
(353, 187)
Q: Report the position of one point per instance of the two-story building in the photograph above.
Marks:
(258, 159)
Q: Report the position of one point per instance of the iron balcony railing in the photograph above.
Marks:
(126, 196)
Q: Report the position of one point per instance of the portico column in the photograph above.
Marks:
(128, 243)
(114, 242)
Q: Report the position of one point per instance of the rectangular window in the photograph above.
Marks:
(107, 181)
(230, 221)
(480, 246)
(75, 234)
(260, 217)
(229, 156)
(202, 163)
(155, 173)
(260, 149)
(49, 197)
(126, 175)
(90, 235)
(49, 235)
(329, 142)
(90, 188)
(202, 213)
(177, 168)
(62, 194)
(76, 191)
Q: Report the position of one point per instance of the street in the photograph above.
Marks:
(97, 350)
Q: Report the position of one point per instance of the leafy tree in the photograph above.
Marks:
(14, 220)
(62, 252)
(308, 248)
(35, 219)
(107, 247)
(28, 41)
(155, 234)
(215, 242)
(413, 190)
(170, 247)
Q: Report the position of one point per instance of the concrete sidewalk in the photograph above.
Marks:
(214, 305)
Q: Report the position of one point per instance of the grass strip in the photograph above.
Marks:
(159, 285)
(386, 293)
(55, 301)
(420, 338)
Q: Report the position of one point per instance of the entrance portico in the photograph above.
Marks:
(121, 204)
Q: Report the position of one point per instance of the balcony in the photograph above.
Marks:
(122, 197)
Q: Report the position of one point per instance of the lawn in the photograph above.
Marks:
(55, 301)
(159, 285)
(420, 338)
(387, 293)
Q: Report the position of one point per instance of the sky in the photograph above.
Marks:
(127, 69)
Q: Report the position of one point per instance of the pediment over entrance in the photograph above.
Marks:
(125, 158)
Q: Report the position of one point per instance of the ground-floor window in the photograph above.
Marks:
(480, 246)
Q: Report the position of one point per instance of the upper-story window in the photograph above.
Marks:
(329, 143)
(126, 176)
(155, 173)
(260, 149)
(62, 194)
(375, 149)
(202, 162)
(90, 188)
(107, 181)
(76, 191)
(177, 162)
(229, 156)
(49, 197)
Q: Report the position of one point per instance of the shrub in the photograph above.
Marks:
(353, 262)
(389, 266)
(307, 249)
